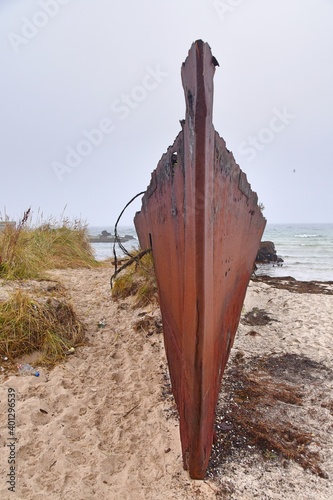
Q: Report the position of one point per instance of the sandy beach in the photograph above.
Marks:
(103, 423)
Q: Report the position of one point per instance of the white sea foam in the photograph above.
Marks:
(307, 235)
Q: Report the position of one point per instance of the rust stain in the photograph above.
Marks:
(202, 221)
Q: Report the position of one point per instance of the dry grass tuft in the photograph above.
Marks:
(27, 252)
(28, 324)
(138, 281)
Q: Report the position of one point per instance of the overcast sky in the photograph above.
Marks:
(91, 97)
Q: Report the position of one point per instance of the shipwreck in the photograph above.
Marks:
(203, 224)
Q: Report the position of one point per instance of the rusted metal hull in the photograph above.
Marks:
(204, 226)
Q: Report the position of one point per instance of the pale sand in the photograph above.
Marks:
(108, 432)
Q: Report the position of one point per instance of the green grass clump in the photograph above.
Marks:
(27, 325)
(25, 252)
(138, 280)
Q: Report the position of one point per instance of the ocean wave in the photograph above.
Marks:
(307, 250)
(313, 245)
(307, 236)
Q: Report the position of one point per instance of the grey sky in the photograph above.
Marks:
(70, 67)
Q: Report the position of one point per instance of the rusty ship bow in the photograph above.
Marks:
(202, 221)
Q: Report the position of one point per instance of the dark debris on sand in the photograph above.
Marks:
(257, 317)
(256, 410)
(294, 286)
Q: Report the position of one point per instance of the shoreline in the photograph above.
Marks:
(286, 272)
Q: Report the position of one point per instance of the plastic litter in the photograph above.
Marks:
(26, 369)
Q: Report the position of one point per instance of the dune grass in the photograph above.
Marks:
(27, 252)
(46, 325)
(138, 280)
(40, 322)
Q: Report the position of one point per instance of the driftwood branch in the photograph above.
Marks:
(133, 259)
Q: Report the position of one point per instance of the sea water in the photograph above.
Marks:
(307, 249)
(104, 251)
